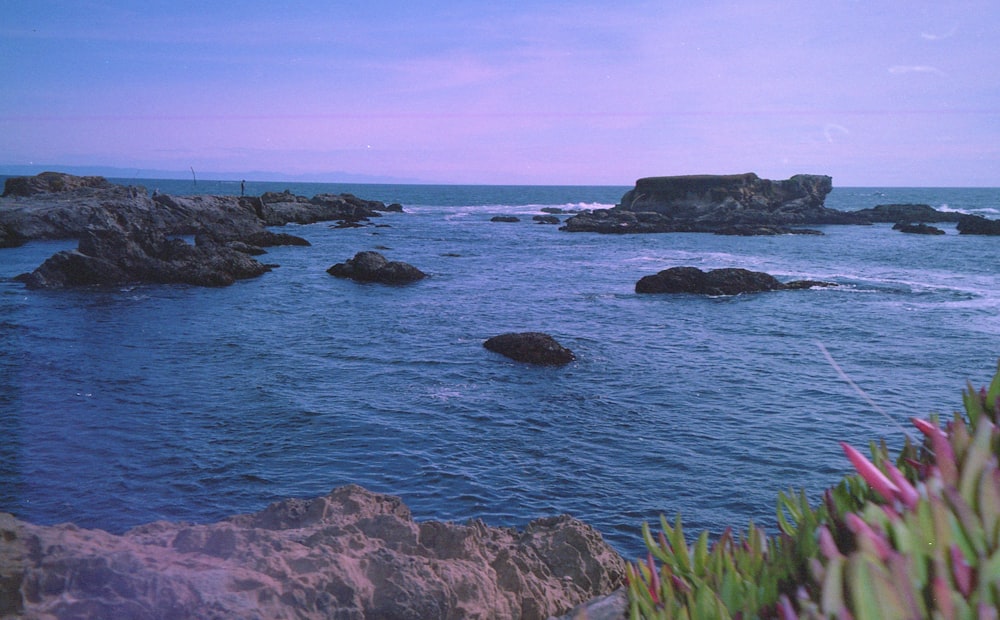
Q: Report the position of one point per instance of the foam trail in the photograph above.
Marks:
(865, 396)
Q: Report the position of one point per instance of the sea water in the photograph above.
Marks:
(123, 406)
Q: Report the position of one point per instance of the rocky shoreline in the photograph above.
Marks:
(127, 236)
(350, 554)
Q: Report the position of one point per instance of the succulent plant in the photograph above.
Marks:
(914, 538)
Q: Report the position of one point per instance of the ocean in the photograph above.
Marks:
(120, 407)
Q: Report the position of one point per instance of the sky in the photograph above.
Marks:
(871, 92)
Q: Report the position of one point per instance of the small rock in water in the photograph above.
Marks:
(531, 347)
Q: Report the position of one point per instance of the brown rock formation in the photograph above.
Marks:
(350, 554)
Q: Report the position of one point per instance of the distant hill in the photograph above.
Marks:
(250, 175)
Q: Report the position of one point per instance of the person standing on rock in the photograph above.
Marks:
(243, 187)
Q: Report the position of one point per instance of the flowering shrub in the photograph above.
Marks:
(914, 538)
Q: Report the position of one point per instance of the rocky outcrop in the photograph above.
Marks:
(709, 203)
(545, 219)
(374, 267)
(126, 254)
(907, 212)
(530, 347)
(505, 218)
(51, 182)
(917, 229)
(62, 206)
(978, 225)
(351, 554)
(280, 208)
(729, 281)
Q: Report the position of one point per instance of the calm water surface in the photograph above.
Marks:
(119, 407)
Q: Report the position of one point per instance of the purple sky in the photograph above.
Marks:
(871, 92)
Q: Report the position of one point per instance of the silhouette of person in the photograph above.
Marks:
(243, 187)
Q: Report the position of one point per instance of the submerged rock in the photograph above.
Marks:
(374, 267)
(530, 347)
(505, 218)
(349, 554)
(729, 281)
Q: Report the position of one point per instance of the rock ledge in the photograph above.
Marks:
(351, 554)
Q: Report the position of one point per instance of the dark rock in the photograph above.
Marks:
(806, 284)
(710, 203)
(553, 210)
(546, 219)
(505, 218)
(977, 225)
(531, 348)
(374, 267)
(750, 230)
(349, 554)
(51, 183)
(10, 238)
(128, 255)
(907, 212)
(729, 281)
(917, 229)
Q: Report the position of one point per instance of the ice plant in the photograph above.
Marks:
(916, 539)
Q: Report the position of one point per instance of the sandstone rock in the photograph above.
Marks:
(707, 203)
(374, 267)
(729, 281)
(531, 348)
(907, 212)
(350, 554)
(978, 225)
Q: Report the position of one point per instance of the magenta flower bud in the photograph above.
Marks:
(961, 570)
(785, 609)
(654, 579)
(907, 494)
(864, 532)
(872, 475)
(826, 543)
(944, 456)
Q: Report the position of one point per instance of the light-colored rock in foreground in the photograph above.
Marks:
(350, 554)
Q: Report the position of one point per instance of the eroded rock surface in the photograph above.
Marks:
(352, 554)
